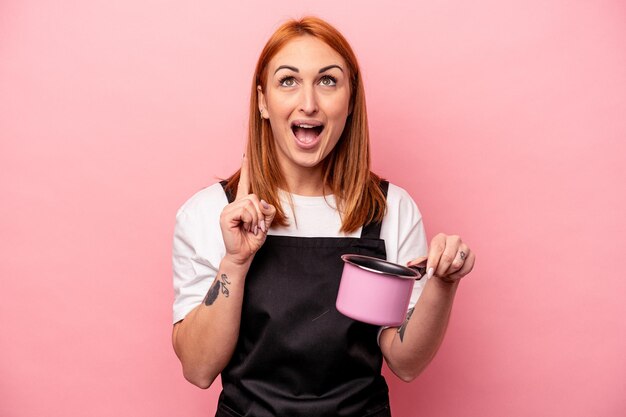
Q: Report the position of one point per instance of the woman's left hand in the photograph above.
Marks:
(449, 258)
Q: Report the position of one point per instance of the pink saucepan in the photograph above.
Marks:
(376, 291)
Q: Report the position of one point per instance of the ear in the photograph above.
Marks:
(262, 102)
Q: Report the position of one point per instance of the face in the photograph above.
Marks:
(306, 99)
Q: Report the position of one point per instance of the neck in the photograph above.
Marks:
(306, 182)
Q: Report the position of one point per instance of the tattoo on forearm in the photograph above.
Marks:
(224, 288)
(219, 285)
(402, 328)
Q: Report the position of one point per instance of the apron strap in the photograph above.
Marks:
(229, 195)
(372, 230)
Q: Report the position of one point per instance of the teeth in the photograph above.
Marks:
(306, 126)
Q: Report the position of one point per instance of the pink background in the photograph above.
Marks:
(506, 120)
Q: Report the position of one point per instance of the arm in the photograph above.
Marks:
(409, 348)
(205, 339)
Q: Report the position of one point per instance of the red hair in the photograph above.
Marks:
(347, 168)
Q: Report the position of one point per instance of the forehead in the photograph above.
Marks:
(306, 52)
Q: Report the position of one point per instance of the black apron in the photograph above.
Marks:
(296, 354)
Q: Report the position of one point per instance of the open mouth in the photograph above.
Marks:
(306, 132)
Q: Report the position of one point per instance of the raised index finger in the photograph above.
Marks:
(243, 188)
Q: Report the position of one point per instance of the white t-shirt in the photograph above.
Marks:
(199, 248)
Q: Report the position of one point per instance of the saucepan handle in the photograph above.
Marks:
(420, 268)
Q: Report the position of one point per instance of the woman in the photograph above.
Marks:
(264, 247)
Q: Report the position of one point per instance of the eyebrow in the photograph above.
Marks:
(329, 67)
(294, 69)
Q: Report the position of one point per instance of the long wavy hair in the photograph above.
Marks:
(346, 169)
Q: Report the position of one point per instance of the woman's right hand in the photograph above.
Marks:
(245, 221)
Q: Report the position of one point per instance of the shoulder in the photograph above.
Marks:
(197, 232)
(205, 203)
(401, 205)
(403, 227)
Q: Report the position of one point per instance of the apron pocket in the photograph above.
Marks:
(381, 412)
(225, 411)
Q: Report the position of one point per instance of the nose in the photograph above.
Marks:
(308, 101)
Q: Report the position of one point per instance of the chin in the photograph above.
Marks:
(308, 162)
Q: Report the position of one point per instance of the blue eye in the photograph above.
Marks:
(328, 81)
(287, 81)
